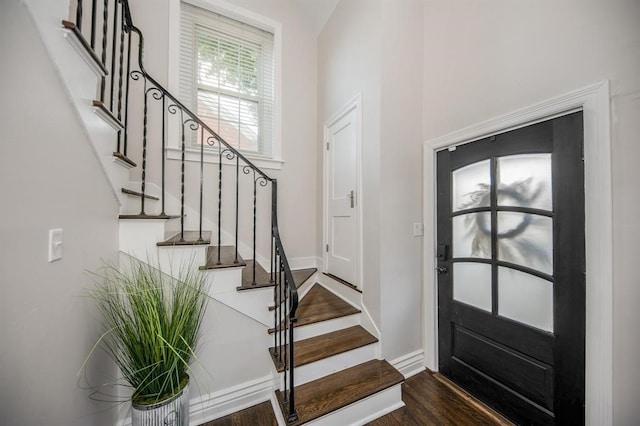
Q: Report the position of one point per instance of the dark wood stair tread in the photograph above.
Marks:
(122, 157)
(338, 390)
(148, 216)
(300, 276)
(263, 278)
(227, 258)
(319, 304)
(326, 345)
(138, 194)
(187, 238)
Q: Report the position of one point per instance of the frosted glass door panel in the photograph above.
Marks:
(470, 186)
(525, 298)
(472, 235)
(472, 284)
(526, 239)
(525, 181)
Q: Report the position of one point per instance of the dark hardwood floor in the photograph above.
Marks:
(430, 400)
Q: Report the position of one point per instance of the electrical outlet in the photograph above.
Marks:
(418, 229)
(55, 244)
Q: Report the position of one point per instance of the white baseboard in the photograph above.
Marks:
(226, 401)
(304, 262)
(410, 364)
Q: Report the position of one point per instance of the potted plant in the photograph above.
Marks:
(151, 331)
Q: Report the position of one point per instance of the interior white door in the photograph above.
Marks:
(341, 222)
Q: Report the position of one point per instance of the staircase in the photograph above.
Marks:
(325, 353)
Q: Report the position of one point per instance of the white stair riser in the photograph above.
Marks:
(173, 258)
(315, 370)
(223, 280)
(253, 303)
(323, 327)
(360, 412)
(138, 238)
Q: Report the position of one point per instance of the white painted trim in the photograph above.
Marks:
(304, 262)
(210, 156)
(84, 54)
(594, 101)
(410, 364)
(225, 401)
(354, 104)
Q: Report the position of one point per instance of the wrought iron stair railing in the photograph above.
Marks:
(106, 29)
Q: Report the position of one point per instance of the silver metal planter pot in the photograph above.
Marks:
(173, 411)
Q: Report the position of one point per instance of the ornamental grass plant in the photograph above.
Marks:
(151, 325)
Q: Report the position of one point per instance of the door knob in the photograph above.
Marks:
(442, 269)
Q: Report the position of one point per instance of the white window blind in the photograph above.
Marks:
(227, 78)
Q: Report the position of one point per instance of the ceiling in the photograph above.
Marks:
(318, 11)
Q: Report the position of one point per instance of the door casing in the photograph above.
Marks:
(355, 104)
(594, 101)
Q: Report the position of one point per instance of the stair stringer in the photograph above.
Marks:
(81, 83)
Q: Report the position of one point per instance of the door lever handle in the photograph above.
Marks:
(352, 197)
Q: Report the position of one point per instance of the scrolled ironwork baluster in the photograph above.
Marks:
(201, 179)
(237, 205)
(121, 64)
(94, 6)
(113, 52)
(219, 202)
(172, 109)
(126, 95)
(103, 58)
(79, 12)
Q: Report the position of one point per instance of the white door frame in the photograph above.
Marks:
(354, 104)
(594, 101)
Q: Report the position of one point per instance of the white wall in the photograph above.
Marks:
(374, 48)
(297, 178)
(486, 58)
(349, 63)
(50, 178)
(401, 177)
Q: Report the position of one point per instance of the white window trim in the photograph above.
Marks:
(173, 151)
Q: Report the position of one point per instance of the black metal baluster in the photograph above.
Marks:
(237, 204)
(113, 52)
(272, 241)
(126, 97)
(182, 164)
(103, 58)
(201, 178)
(144, 148)
(255, 202)
(219, 200)
(94, 6)
(292, 406)
(162, 154)
(79, 15)
(121, 65)
(283, 345)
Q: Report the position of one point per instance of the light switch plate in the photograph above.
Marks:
(55, 244)
(418, 229)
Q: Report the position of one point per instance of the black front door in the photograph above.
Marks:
(511, 261)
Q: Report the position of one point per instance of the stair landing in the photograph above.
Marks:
(319, 304)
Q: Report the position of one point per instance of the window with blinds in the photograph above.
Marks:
(227, 77)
